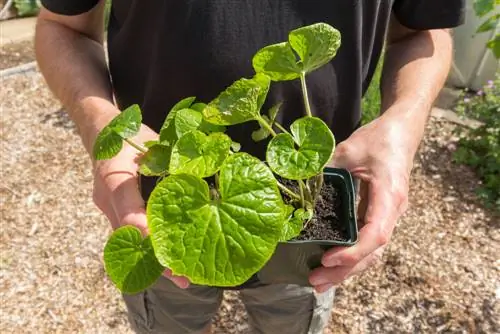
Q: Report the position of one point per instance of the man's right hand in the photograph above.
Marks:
(116, 191)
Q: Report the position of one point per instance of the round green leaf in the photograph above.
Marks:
(128, 123)
(130, 260)
(155, 161)
(107, 144)
(184, 103)
(277, 61)
(187, 120)
(239, 103)
(219, 241)
(177, 123)
(198, 154)
(303, 155)
(315, 44)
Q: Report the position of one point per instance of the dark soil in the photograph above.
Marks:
(326, 223)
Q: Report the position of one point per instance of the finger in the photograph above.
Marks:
(126, 199)
(380, 217)
(180, 281)
(323, 288)
(321, 277)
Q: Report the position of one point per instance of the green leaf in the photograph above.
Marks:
(263, 133)
(277, 61)
(155, 161)
(239, 103)
(490, 24)
(273, 111)
(295, 223)
(198, 154)
(483, 7)
(187, 120)
(26, 7)
(315, 144)
(220, 241)
(107, 144)
(205, 126)
(235, 147)
(128, 123)
(315, 44)
(494, 45)
(151, 143)
(177, 123)
(184, 103)
(130, 260)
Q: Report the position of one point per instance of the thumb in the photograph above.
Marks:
(127, 201)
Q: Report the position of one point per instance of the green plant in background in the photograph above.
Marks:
(483, 8)
(216, 215)
(27, 7)
(371, 103)
(480, 147)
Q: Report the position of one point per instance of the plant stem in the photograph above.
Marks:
(216, 177)
(266, 125)
(138, 147)
(302, 200)
(288, 191)
(304, 93)
(279, 126)
(306, 190)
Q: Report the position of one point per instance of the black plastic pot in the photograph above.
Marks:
(293, 261)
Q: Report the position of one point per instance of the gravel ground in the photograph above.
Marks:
(14, 54)
(439, 275)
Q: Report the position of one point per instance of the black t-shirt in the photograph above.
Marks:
(162, 51)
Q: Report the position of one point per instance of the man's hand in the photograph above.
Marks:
(380, 156)
(116, 191)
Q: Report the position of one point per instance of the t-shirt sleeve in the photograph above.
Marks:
(430, 14)
(69, 7)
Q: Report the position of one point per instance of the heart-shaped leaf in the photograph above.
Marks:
(220, 241)
(125, 125)
(128, 123)
(130, 260)
(155, 161)
(295, 223)
(239, 103)
(107, 144)
(315, 44)
(277, 61)
(198, 154)
(315, 143)
(177, 123)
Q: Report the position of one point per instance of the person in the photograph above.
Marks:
(163, 51)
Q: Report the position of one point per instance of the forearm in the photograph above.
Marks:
(75, 69)
(415, 69)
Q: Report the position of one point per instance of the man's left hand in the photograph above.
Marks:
(379, 154)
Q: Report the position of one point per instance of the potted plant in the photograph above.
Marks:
(219, 216)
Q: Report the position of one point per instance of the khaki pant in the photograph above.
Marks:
(272, 309)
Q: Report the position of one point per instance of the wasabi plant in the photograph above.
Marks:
(216, 214)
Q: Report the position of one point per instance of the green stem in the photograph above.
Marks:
(302, 200)
(282, 129)
(138, 147)
(288, 191)
(307, 191)
(304, 93)
(266, 125)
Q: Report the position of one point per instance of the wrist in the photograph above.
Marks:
(91, 115)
